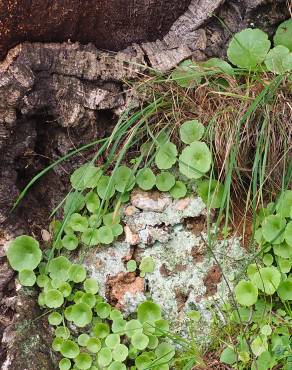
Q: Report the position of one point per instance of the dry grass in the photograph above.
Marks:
(264, 136)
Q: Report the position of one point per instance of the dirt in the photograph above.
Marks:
(195, 224)
(212, 279)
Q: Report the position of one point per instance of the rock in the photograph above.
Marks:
(150, 201)
(185, 276)
(131, 238)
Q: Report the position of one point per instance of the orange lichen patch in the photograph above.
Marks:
(212, 279)
(124, 282)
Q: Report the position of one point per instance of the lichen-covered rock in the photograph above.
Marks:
(189, 268)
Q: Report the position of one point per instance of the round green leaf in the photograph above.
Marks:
(195, 160)
(101, 330)
(148, 312)
(283, 250)
(118, 326)
(143, 361)
(115, 314)
(83, 361)
(91, 286)
(246, 293)
(283, 34)
(161, 327)
(153, 341)
(112, 340)
(94, 221)
(133, 327)
(116, 365)
(78, 222)
(228, 356)
(42, 280)
(191, 131)
(268, 259)
(112, 218)
(54, 298)
(267, 279)
(59, 267)
(139, 341)
(131, 266)
(65, 364)
(219, 66)
(89, 299)
(62, 332)
(86, 176)
(120, 352)
(284, 265)
(278, 60)
(104, 357)
(69, 349)
(105, 187)
(105, 235)
(70, 242)
(165, 157)
(165, 181)
(103, 310)
(273, 229)
(55, 318)
(83, 339)
(92, 202)
(90, 237)
(57, 343)
(81, 314)
(24, 253)
(179, 190)
(285, 290)
(146, 179)
(124, 179)
(165, 352)
(27, 277)
(93, 345)
(77, 273)
(248, 48)
(187, 74)
(147, 265)
(288, 234)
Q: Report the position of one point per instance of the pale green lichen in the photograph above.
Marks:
(177, 282)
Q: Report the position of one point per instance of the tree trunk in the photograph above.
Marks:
(56, 94)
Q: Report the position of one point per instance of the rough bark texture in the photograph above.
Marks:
(56, 96)
(111, 24)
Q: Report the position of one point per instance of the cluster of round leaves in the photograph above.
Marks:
(89, 223)
(249, 50)
(274, 237)
(270, 277)
(107, 340)
(101, 337)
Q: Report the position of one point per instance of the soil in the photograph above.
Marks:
(212, 279)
